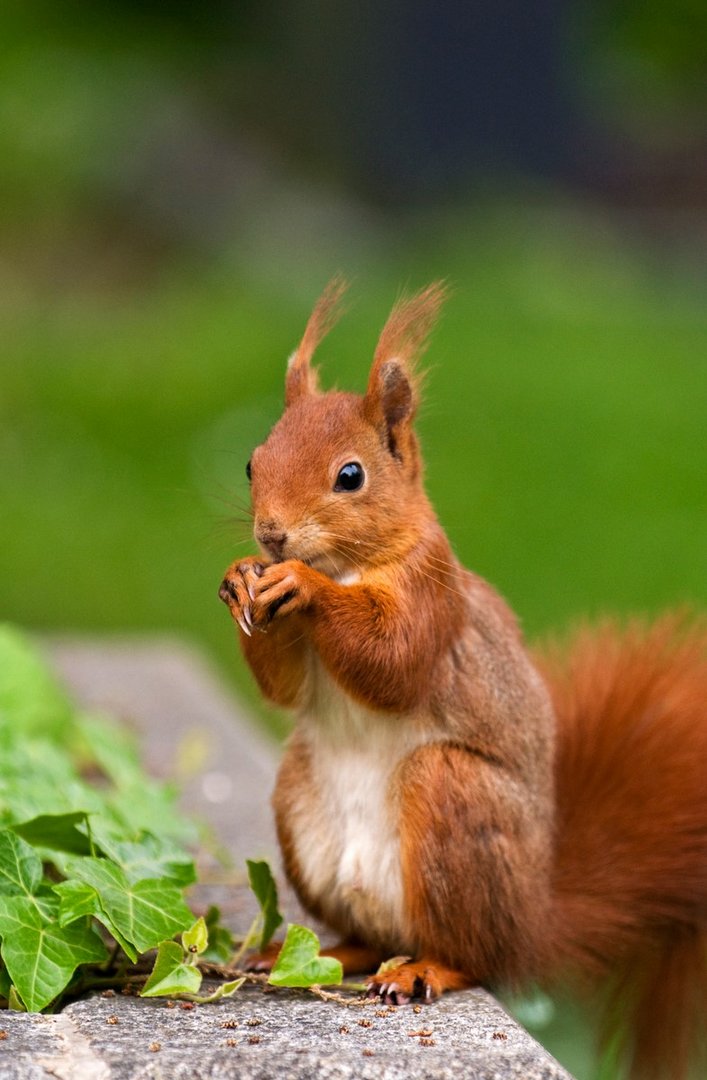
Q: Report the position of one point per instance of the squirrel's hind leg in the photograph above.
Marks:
(475, 854)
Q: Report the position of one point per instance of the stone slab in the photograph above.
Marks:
(273, 1035)
(169, 695)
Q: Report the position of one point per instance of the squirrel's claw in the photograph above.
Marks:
(389, 993)
(422, 980)
(238, 592)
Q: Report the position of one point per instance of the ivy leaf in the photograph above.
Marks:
(223, 990)
(30, 698)
(56, 832)
(41, 956)
(299, 962)
(111, 747)
(76, 900)
(171, 975)
(196, 938)
(147, 856)
(145, 912)
(20, 865)
(221, 943)
(394, 962)
(263, 885)
(147, 801)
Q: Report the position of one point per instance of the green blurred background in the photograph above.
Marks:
(177, 184)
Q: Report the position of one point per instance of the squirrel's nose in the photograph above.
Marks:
(272, 537)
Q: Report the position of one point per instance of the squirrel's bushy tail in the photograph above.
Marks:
(630, 885)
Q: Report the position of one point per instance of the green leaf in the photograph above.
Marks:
(56, 832)
(145, 912)
(30, 697)
(227, 989)
(77, 900)
(196, 938)
(148, 802)
(221, 943)
(263, 885)
(14, 1001)
(111, 747)
(299, 962)
(394, 962)
(41, 956)
(146, 856)
(5, 983)
(20, 865)
(171, 975)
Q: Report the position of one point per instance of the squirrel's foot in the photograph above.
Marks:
(422, 980)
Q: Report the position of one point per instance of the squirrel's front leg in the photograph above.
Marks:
(373, 643)
(276, 658)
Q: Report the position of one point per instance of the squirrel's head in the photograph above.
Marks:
(337, 483)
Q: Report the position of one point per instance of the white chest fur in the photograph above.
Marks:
(345, 826)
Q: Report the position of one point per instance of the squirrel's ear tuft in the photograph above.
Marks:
(301, 377)
(393, 385)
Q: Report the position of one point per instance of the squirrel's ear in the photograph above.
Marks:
(393, 385)
(301, 377)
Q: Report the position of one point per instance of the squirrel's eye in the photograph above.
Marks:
(350, 477)
(248, 471)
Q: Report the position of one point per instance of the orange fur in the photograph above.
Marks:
(301, 376)
(630, 879)
(446, 795)
(495, 877)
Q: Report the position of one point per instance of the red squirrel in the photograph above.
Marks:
(500, 817)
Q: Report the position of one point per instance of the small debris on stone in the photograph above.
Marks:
(112, 1019)
(231, 1042)
(186, 1004)
(343, 1030)
(170, 1005)
(424, 1032)
(417, 1009)
(3, 1035)
(499, 1035)
(427, 1042)
(368, 1053)
(107, 993)
(254, 1039)
(254, 1021)
(154, 1047)
(229, 1023)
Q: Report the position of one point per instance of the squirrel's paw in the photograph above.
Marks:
(283, 588)
(238, 590)
(422, 980)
